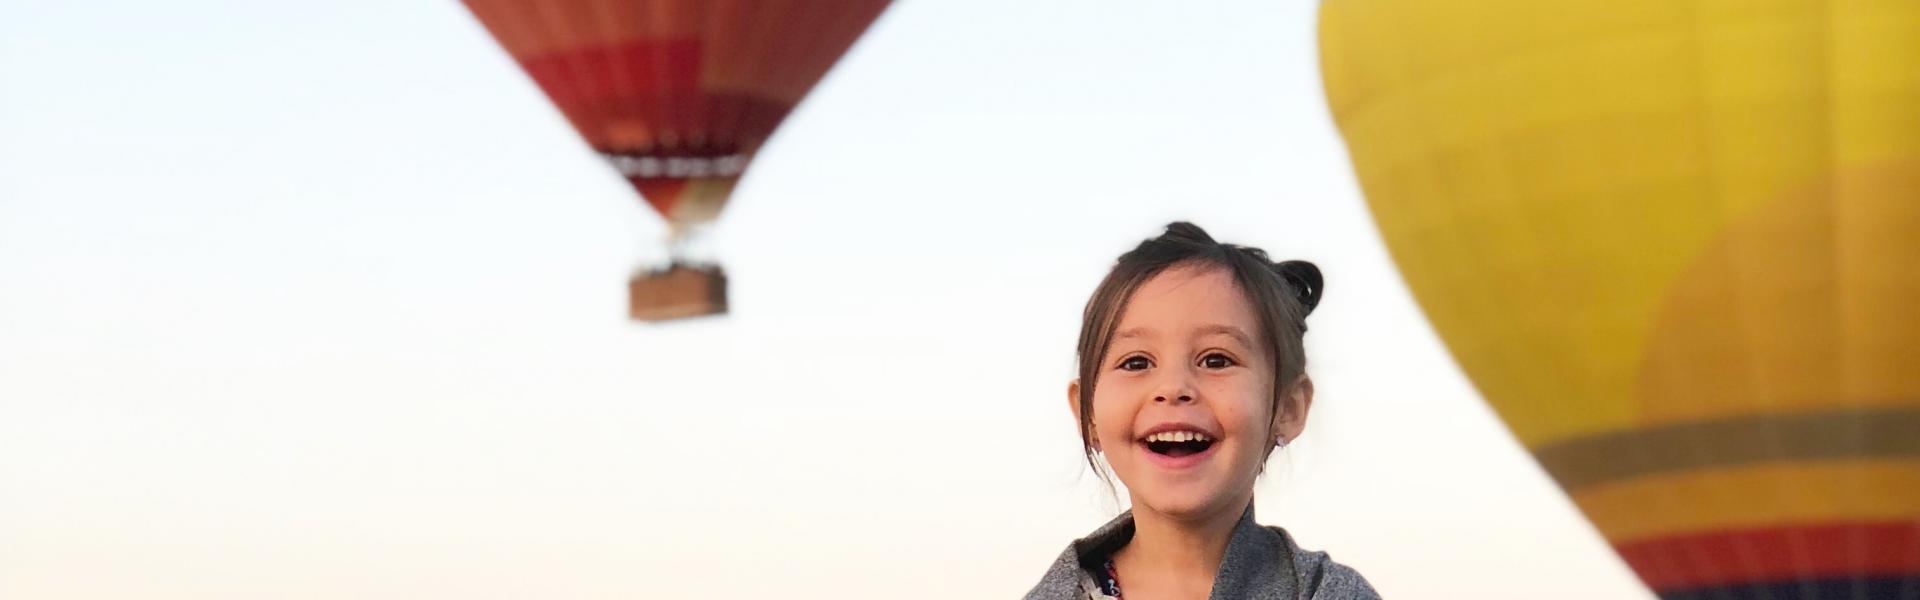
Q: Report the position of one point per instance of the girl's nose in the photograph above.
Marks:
(1178, 390)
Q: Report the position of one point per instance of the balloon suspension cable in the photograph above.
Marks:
(678, 238)
(684, 242)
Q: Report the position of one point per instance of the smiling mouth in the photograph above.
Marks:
(1178, 443)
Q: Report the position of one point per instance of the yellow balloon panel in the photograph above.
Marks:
(1676, 245)
(1570, 186)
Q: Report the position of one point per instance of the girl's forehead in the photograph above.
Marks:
(1187, 299)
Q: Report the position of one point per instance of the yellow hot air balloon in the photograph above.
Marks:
(1676, 244)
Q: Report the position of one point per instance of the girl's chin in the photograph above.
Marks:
(1186, 502)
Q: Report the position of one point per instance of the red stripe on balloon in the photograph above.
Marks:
(650, 81)
(656, 84)
(1737, 557)
(637, 68)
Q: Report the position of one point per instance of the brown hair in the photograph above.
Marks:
(1282, 294)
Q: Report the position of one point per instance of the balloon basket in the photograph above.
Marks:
(679, 292)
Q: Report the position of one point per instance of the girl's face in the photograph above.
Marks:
(1184, 406)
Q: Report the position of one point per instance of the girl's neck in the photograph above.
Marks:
(1170, 553)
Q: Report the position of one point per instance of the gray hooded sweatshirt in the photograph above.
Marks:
(1260, 562)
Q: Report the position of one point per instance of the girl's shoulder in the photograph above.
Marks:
(1320, 578)
(1071, 577)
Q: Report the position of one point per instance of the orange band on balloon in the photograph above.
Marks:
(1752, 497)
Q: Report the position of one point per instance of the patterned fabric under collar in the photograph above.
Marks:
(1110, 585)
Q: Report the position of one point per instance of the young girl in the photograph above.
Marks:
(1191, 375)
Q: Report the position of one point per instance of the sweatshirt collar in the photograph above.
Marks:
(1258, 562)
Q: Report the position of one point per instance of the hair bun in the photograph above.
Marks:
(1305, 280)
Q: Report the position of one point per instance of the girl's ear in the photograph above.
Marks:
(1073, 405)
(1291, 419)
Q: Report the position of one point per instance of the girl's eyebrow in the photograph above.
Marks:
(1202, 331)
(1226, 330)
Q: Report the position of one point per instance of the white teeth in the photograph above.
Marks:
(1179, 436)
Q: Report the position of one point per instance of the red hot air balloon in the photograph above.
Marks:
(678, 95)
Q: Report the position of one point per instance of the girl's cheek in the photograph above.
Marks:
(1114, 391)
(1113, 411)
(1239, 405)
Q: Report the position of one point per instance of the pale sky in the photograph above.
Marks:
(325, 300)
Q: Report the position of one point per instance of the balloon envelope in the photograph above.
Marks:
(1676, 244)
(677, 94)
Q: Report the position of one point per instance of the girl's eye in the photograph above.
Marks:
(1135, 363)
(1216, 361)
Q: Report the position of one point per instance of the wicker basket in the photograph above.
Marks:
(680, 292)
